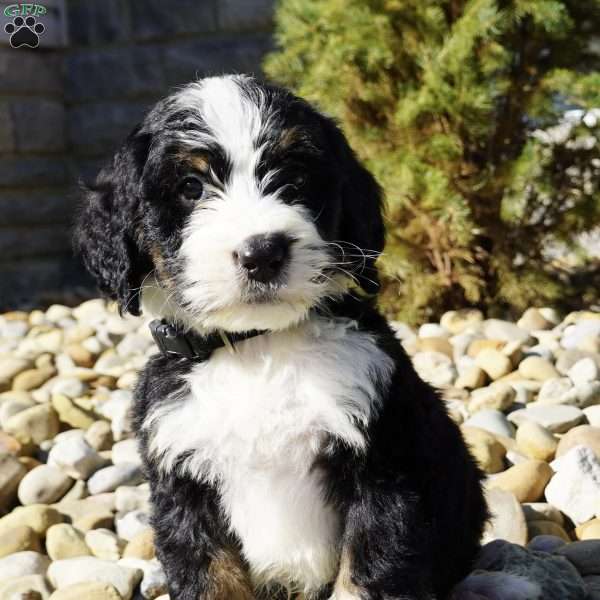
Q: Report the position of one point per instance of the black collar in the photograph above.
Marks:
(175, 343)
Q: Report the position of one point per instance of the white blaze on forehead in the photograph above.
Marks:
(233, 119)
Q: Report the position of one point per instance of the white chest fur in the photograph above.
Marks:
(254, 422)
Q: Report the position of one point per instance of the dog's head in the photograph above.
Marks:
(233, 205)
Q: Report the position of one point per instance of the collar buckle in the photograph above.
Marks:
(169, 340)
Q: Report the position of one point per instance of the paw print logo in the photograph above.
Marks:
(24, 32)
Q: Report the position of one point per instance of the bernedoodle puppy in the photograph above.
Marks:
(289, 444)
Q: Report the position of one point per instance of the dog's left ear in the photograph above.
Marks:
(361, 210)
(107, 229)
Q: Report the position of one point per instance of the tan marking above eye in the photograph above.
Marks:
(200, 162)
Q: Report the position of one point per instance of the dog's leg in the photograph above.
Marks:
(345, 588)
(200, 557)
(385, 553)
(227, 578)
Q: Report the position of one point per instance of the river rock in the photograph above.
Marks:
(129, 498)
(545, 543)
(126, 451)
(575, 488)
(507, 520)
(37, 516)
(117, 409)
(435, 344)
(154, 580)
(23, 563)
(31, 379)
(141, 545)
(542, 511)
(13, 405)
(77, 492)
(577, 333)
(537, 368)
(11, 474)
(78, 508)
(589, 530)
(43, 485)
(435, 367)
(110, 478)
(588, 394)
(584, 371)
(557, 390)
(91, 312)
(71, 387)
(104, 544)
(99, 435)
(478, 344)
(457, 321)
(592, 414)
(493, 421)
(10, 366)
(471, 378)
(19, 539)
(38, 423)
(27, 587)
(535, 441)
(584, 435)
(485, 448)
(70, 413)
(498, 396)
(76, 458)
(533, 320)
(63, 573)
(535, 575)
(592, 584)
(89, 590)
(132, 523)
(567, 358)
(526, 480)
(11, 445)
(495, 329)
(584, 555)
(98, 519)
(539, 528)
(541, 351)
(64, 541)
(494, 363)
(136, 343)
(556, 418)
(80, 355)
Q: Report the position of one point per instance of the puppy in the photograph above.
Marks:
(289, 444)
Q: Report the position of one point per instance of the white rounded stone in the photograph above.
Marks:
(63, 573)
(76, 458)
(44, 484)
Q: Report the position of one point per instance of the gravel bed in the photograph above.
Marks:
(74, 503)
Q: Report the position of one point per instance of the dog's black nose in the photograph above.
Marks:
(263, 256)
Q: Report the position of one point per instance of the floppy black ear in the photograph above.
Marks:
(107, 227)
(362, 227)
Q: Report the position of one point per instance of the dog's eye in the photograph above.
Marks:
(191, 188)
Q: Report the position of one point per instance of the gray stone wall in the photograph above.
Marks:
(63, 110)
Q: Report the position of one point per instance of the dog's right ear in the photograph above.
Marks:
(107, 230)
